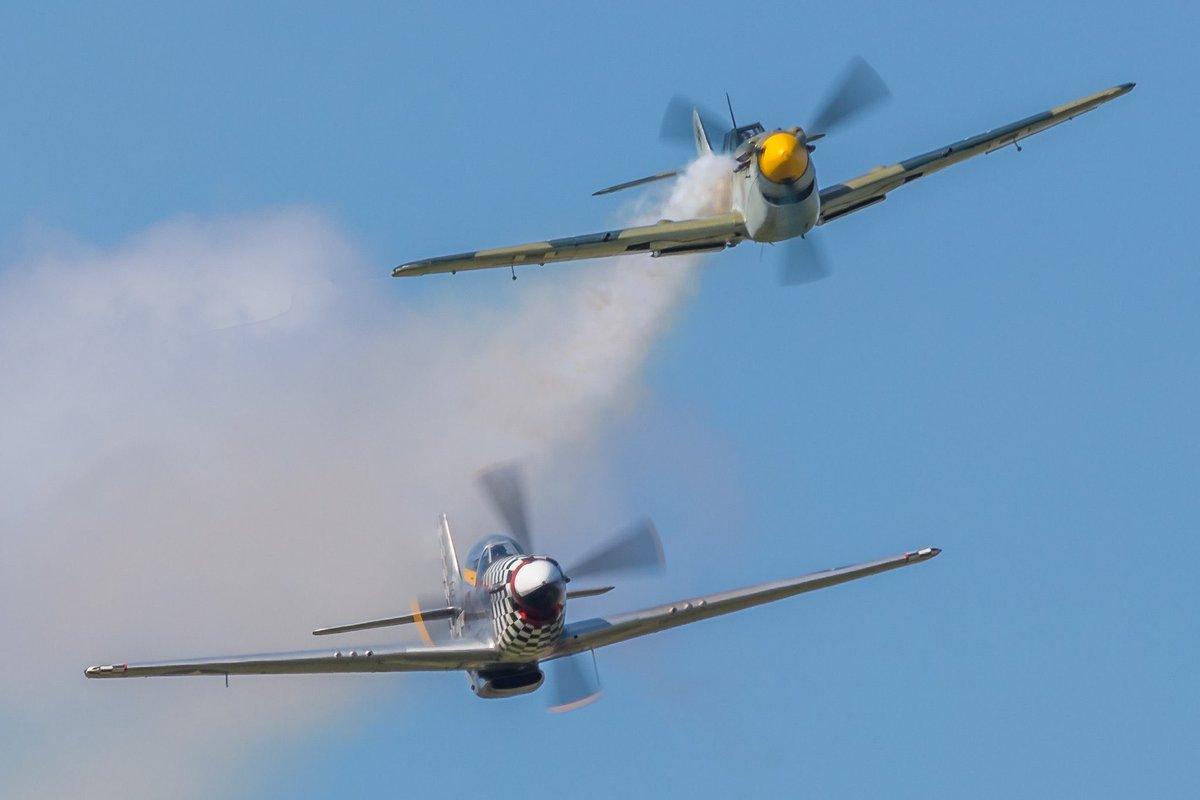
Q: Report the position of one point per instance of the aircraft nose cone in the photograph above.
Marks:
(782, 158)
(539, 584)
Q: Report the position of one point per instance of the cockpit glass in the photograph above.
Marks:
(484, 553)
(737, 137)
(748, 132)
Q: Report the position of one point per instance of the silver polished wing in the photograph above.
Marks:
(873, 187)
(371, 659)
(600, 631)
(577, 637)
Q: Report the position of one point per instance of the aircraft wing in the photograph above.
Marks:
(592, 633)
(865, 190)
(660, 239)
(382, 659)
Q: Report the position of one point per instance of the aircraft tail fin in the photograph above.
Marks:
(451, 575)
(703, 146)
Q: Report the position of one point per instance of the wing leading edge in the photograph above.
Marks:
(873, 187)
(381, 659)
(592, 633)
(577, 637)
(662, 238)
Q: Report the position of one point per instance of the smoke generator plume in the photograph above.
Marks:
(212, 449)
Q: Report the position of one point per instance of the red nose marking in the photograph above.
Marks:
(536, 616)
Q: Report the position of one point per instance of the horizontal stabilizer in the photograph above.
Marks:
(639, 182)
(592, 592)
(407, 619)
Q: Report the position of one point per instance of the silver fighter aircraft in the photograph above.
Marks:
(503, 613)
(773, 185)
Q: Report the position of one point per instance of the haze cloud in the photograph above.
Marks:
(220, 434)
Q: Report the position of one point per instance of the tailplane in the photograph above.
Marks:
(425, 609)
(703, 148)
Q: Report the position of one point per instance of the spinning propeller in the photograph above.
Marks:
(677, 120)
(503, 486)
(857, 90)
(636, 548)
(803, 261)
(576, 681)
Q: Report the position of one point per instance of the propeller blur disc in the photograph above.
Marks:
(505, 488)
(677, 122)
(803, 262)
(857, 90)
(636, 548)
(576, 681)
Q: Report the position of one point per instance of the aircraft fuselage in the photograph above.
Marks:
(517, 604)
(776, 189)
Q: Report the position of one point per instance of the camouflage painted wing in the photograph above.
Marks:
(381, 659)
(660, 239)
(592, 633)
(871, 188)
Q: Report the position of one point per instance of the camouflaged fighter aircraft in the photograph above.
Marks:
(774, 185)
(503, 614)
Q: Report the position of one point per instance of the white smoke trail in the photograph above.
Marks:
(209, 448)
(604, 329)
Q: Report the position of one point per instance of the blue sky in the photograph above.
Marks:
(1004, 365)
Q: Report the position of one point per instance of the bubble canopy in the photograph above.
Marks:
(493, 548)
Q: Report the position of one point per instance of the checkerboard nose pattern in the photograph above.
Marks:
(529, 612)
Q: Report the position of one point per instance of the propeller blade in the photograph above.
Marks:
(504, 487)
(635, 548)
(576, 681)
(857, 90)
(803, 262)
(433, 628)
(677, 122)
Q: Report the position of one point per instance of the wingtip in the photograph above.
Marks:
(924, 554)
(414, 269)
(575, 704)
(409, 269)
(105, 670)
